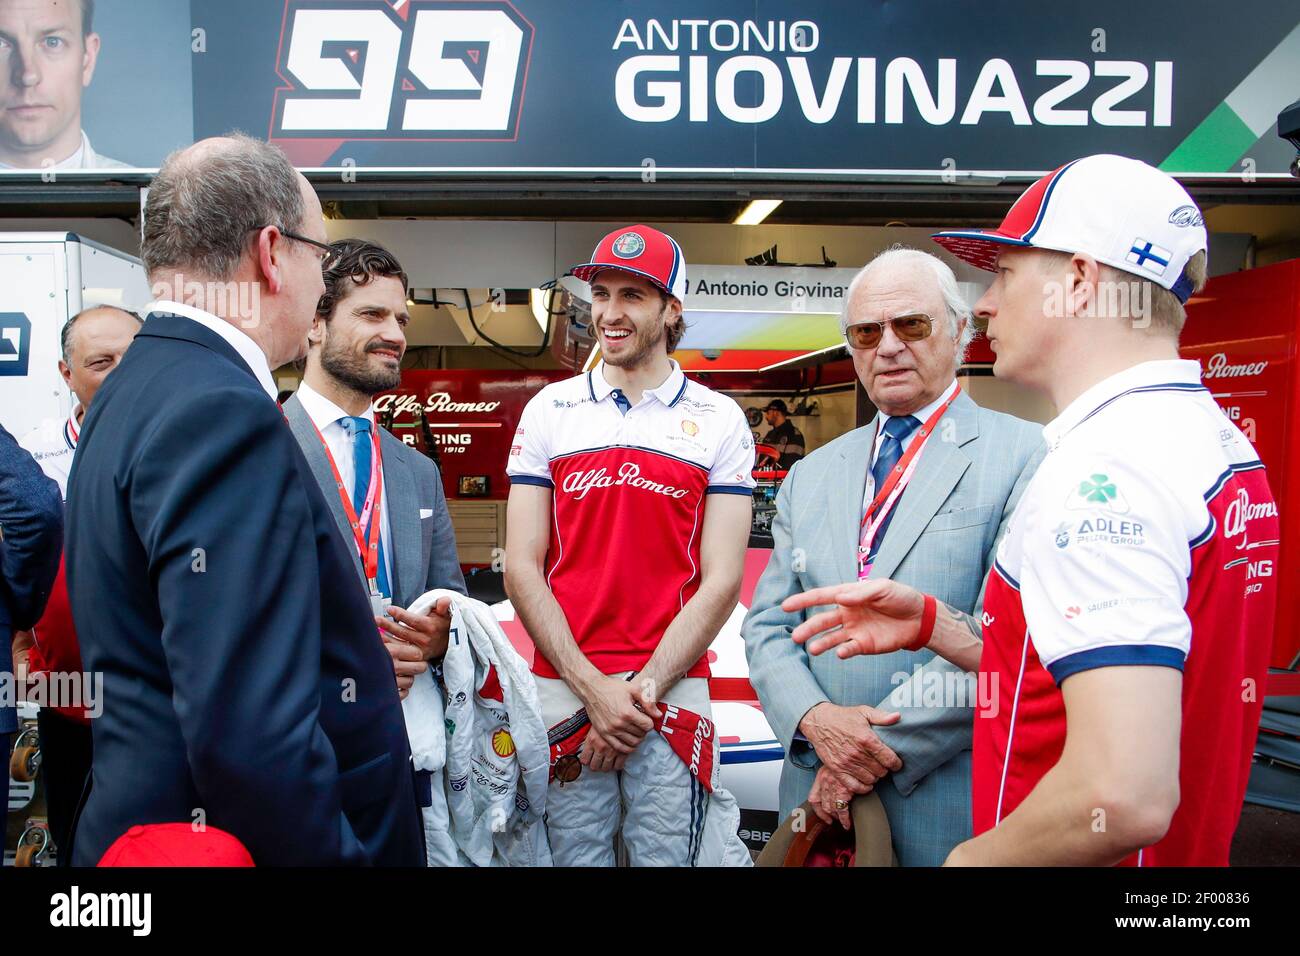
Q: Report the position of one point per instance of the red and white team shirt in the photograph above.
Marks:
(1148, 536)
(628, 508)
(52, 444)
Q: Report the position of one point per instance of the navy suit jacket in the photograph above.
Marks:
(244, 682)
(31, 541)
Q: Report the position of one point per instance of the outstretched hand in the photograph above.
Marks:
(869, 617)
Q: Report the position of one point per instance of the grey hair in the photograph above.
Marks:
(201, 208)
(955, 305)
(65, 337)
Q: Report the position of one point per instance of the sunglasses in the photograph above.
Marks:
(568, 768)
(908, 328)
(327, 254)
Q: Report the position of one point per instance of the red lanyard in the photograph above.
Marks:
(367, 545)
(889, 493)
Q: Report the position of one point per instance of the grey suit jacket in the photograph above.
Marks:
(942, 540)
(423, 548)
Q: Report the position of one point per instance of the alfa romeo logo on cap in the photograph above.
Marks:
(629, 245)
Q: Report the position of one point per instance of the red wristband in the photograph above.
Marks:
(928, 614)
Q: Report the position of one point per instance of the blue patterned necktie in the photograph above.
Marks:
(891, 450)
(359, 429)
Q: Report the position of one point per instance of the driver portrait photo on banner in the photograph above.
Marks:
(112, 73)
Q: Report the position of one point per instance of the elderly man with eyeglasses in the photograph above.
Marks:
(921, 494)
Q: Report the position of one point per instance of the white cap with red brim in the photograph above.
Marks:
(1120, 211)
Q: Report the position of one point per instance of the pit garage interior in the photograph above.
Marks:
(482, 251)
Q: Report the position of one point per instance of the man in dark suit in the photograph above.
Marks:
(31, 540)
(244, 685)
(355, 351)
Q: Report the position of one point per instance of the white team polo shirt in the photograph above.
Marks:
(629, 497)
(1148, 537)
(52, 444)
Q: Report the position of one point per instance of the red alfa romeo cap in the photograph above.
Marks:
(642, 251)
(176, 844)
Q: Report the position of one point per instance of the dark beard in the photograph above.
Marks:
(354, 373)
(647, 343)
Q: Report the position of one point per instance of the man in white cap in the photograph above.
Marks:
(1129, 613)
(629, 515)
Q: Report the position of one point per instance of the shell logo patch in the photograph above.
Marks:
(503, 745)
(629, 245)
(690, 427)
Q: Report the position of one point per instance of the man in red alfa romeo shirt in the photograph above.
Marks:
(628, 518)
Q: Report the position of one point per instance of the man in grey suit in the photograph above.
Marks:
(394, 517)
(897, 723)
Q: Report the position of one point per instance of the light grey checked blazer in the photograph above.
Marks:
(423, 549)
(942, 541)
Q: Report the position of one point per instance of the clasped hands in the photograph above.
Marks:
(621, 715)
(867, 617)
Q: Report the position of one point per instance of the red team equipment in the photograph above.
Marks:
(690, 735)
(176, 844)
(1148, 536)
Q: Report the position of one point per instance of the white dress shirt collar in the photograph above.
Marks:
(239, 340)
(921, 414)
(324, 412)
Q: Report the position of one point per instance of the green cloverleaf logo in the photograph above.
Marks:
(1098, 488)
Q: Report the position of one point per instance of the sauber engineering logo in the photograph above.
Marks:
(401, 69)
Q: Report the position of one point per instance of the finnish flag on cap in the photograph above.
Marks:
(1120, 211)
(1145, 253)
